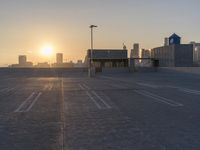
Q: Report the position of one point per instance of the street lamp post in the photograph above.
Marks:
(91, 50)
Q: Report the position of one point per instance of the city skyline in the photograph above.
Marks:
(64, 25)
(58, 62)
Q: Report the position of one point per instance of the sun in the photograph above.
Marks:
(47, 51)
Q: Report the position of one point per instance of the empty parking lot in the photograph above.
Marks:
(125, 111)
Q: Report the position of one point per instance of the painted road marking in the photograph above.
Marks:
(148, 85)
(138, 83)
(82, 88)
(29, 102)
(3, 90)
(102, 100)
(87, 87)
(190, 91)
(99, 101)
(26, 100)
(93, 99)
(34, 101)
(159, 98)
(108, 99)
(7, 89)
(186, 90)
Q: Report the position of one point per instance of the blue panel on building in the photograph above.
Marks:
(174, 39)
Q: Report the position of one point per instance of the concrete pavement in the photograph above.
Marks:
(125, 111)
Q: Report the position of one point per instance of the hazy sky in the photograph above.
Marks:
(27, 25)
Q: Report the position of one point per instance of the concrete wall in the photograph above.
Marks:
(165, 55)
(174, 55)
(184, 55)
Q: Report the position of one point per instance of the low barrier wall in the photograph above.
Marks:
(192, 70)
(41, 71)
(115, 70)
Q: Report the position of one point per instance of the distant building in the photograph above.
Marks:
(43, 65)
(174, 39)
(22, 60)
(196, 52)
(79, 64)
(68, 65)
(135, 51)
(59, 58)
(146, 55)
(29, 64)
(175, 54)
(108, 58)
(63, 65)
(22, 63)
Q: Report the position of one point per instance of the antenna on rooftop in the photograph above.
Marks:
(124, 46)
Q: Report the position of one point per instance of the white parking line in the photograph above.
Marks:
(29, 102)
(186, 90)
(11, 89)
(3, 90)
(34, 101)
(106, 104)
(93, 99)
(190, 91)
(26, 100)
(159, 98)
(81, 87)
(148, 85)
(87, 87)
(7, 89)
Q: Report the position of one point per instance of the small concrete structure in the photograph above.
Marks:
(107, 58)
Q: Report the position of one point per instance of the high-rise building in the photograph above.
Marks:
(59, 58)
(145, 53)
(135, 51)
(145, 56)
(22, 60)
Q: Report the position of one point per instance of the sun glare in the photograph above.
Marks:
(47, 51)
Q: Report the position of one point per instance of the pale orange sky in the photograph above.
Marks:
(28, 25)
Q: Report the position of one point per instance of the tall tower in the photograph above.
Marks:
(135, 51)
(59, 58)
(22, 60)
